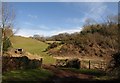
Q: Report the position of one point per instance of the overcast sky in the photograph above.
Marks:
(50, 18)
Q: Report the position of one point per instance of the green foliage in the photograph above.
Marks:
(6, 44)
(6, 41)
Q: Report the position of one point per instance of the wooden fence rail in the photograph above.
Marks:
(90, 64)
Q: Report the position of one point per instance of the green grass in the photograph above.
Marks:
(98, 74)
(52, 42)
(33, 46)
(27, 75)
(93, 72)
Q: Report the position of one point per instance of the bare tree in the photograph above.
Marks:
(112, 19)
(7, 16)
(89, 21)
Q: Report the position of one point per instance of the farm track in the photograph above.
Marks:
(67, 76)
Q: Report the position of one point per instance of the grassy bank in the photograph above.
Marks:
(33, 46)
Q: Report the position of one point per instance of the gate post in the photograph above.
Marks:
(89, 64)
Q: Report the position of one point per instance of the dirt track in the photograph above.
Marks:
(67, 76)
(66, 73)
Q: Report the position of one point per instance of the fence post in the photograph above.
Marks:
(101, 64)
(41, 61)
(89, 64)
(79, 64)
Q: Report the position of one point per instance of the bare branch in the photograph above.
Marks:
(7, 16)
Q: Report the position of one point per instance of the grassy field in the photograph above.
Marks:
(27, 75)
(30, 75)
(50, 42)
(33, 46)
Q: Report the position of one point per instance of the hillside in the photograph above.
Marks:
(28, 44)
(100, 41)
(32, 46)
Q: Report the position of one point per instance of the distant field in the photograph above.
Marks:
(50, 42)
(33, 46)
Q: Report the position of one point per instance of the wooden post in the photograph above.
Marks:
(89, 64)
(41, 61)
(101, 64)
(79, 64)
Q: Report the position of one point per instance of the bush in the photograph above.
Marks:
(114, 66)
(116, 58)
(6, 44)
(52, 45)
(74, 63)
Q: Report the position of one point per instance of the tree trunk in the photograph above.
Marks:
(2, 40)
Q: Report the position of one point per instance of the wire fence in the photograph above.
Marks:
(85, 64)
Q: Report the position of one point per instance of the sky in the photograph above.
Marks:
(51, 18)
(59, 0)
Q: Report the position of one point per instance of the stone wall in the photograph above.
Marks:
(69, 63)
(14, 63)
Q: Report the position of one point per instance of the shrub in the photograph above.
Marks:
(52, 45)
(6, 44)
(114, 66)
(73, 63)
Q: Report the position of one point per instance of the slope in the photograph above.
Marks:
(32, 46)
